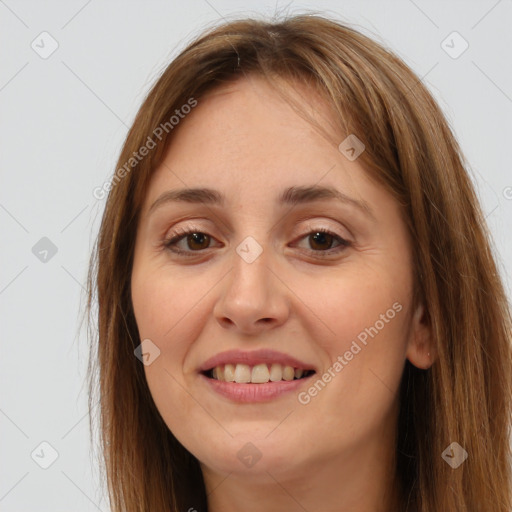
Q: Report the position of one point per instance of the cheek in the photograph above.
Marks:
(164, 306)
(170, 310)
(360, 322)
(357, 307)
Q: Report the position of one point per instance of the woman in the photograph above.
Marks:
(298, 304)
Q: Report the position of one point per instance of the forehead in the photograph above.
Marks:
(245, 134)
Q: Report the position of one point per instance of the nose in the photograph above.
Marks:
(253, 299)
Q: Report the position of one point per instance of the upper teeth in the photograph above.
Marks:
(257, 374)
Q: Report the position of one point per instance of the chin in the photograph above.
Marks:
(248, 455)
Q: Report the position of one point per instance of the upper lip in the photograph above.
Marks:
(252, 358)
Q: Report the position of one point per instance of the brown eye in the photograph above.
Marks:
(191, 240)
(321, 240)
(197, 241)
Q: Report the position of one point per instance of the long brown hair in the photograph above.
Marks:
(465, 397)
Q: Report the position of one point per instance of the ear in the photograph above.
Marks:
(421, 350)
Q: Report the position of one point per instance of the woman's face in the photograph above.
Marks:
(259, 294)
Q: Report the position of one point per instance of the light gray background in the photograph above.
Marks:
(62, 122)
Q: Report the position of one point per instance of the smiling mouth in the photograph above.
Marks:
(256, 374)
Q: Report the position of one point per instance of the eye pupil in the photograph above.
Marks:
(319, 237)
(198, 237)
(320, 242)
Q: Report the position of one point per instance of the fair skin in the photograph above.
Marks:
(335, 452)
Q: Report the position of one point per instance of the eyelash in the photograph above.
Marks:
(179, 234)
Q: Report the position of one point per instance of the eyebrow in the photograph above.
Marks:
(290, 196)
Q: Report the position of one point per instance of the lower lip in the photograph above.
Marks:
(254, 392)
